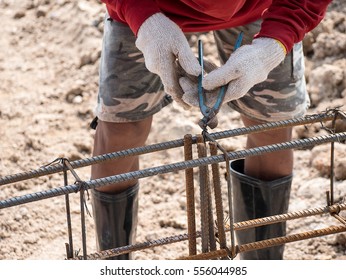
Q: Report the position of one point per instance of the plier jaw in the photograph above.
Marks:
(209, 113)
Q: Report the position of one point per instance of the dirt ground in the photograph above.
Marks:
(49, 57)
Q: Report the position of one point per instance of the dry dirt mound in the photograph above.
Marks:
(49, 77)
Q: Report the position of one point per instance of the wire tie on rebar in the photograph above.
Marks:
(231, 254)
(342, 114)
(335, 210)
(83, 186)
(57, 160)
(332, 111)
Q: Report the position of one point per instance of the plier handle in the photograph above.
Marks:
(210, 112)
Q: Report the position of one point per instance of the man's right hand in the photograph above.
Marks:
(163, 44)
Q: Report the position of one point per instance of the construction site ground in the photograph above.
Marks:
(49, 58)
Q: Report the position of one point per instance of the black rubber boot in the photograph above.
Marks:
(115, 217)
(253, 198)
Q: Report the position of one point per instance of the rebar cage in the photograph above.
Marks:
(216, 236)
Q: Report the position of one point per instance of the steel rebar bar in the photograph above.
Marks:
(58, 167)
(336, 208)
(204, 193)
(300, 143)
(268, 243)
(137, 247)
(218, 198)
(69, 246)
(190, 196)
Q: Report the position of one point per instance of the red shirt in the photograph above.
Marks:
(284, 20)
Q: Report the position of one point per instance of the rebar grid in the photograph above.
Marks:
(336, 208)
(266, 243)
(137, 247)
(202, 162)
(227, 252)
(178, 166)
(59, 167)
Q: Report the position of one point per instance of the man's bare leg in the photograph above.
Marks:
(269, 166)
(112, 137)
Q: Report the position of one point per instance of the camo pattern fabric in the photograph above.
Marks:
(283, 95)
(129, 92)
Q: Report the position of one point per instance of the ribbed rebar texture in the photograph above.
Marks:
(289, 216)
(136, 247)
(58, 167)
(308, 142)
(221, 235)
(267, 243)
(290, 238)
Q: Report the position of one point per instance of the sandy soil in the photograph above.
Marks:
(49, 77)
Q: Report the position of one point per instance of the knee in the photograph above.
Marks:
(131, 134)
(269, 137)
(266, 137)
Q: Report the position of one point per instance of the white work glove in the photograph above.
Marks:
(189, 84)
(163, 44)
(246, 67)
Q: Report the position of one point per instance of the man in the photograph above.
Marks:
(145, 47)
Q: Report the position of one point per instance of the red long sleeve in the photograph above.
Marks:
(289, 20)
(285, 20)
(132, 12)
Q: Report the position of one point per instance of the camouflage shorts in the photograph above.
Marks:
(129, 92)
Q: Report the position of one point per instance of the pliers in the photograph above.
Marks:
(209, 113)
